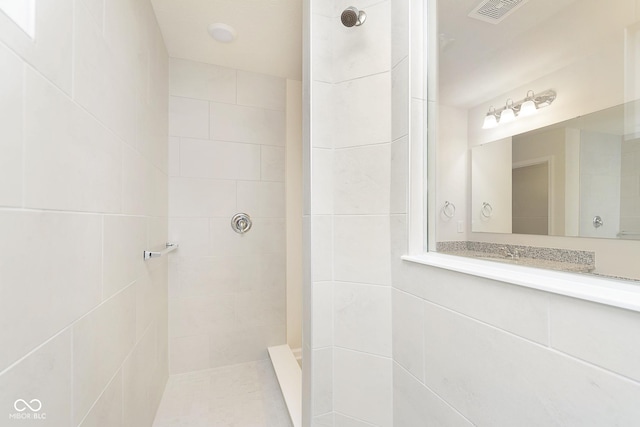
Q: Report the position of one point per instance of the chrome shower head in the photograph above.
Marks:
(352, 16)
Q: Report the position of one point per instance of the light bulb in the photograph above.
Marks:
(490, 121)
(508, 114)
(529, 105)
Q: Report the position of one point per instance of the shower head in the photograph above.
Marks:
(352, 16)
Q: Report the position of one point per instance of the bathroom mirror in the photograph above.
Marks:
(567, 169)
(579, 177)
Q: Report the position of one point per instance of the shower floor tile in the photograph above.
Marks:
(246, 395)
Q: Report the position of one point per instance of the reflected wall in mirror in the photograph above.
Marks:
(559, 179)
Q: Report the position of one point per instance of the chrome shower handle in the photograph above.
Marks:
(241, 223)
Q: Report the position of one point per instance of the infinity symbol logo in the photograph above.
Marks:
(21, 405)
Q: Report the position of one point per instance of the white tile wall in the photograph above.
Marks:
(219, 160)
(358, 392)
(399, 185)
(141, 383)
(112, 325)
(107, 410)
(340, 420)
(122, 263)
(254, 125)
(69, 269)
(52, 54)
(414, 403)
(188, 118)
(322, 39)
(407, 336)
(362, 318)
(400, 29)
(361, 180)
(201, 198)
(322, 248)
(227, 290)
(512, 308)
(400, 99)
(597, 334)
(261, 90)
(349, 185)
(322, 181)
(367, 52)
(324, 117)
(361, 108)
(44, 375)
(83, 125)
(271, 163)
(103, 84)
(322, 327)
(11, 125)
(63, 143)
(323, 386)
(362, 249)
(196, 80)
(577, 393)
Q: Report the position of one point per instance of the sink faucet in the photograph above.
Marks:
(509, 253)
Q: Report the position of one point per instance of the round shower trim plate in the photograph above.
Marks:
(222, 32)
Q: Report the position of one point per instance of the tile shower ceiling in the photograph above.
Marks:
(269, 33)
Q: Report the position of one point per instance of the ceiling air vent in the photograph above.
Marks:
(494, 11)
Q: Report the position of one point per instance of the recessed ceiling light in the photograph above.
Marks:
(222, 32)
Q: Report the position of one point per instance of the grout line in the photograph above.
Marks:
(361, 352)
(350, 417)
(423, 383)
(65, 328)
(63, 211)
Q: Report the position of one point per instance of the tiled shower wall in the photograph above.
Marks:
(83, 192)
(226, 155)
(348, 218)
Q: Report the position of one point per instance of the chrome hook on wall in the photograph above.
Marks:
(486, 210)
(597, 221)
(241, 223)
(449, 209)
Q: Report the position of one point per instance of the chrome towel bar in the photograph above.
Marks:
(170, 247)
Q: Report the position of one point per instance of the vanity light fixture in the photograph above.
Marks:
(508, 113)
(491, 119)
(527, 106)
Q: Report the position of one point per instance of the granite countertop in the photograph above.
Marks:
(525, 261)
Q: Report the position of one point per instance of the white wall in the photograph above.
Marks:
(83, 192)
(600, 167)
(491, 195)
(452, 174)
(227, 299)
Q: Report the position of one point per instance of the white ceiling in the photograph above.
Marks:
(269, 32)
(481, 61)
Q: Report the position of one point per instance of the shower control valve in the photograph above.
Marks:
(241, 223)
